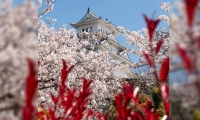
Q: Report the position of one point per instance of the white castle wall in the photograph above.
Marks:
(93, 25)
(104, 28)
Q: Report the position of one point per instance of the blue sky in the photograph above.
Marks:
(127, 13)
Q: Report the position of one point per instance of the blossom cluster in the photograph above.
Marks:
(184, 49)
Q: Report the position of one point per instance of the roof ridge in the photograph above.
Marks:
(93, 14)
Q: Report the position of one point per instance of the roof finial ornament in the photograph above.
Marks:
(88, 9)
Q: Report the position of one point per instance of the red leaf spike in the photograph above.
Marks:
(159, 44)
(151, 26)
(191, 5)
(167, 107)
(30, 91)
(90, 112)
(164, 71)
(31, 83)
(148, 59)
(185, 58)
(164, 89)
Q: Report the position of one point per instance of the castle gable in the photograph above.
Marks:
(88, 18)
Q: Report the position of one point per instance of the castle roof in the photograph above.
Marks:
(92, 18)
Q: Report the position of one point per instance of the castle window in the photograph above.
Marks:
(86, 29)
(82, 30)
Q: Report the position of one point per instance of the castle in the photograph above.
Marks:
(92, 23)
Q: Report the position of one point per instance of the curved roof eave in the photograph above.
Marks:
(97, 18)
(75, 25)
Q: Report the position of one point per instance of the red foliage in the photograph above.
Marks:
(191, 5)
(148, 59)
(105, 117)
(167, 105)
(55, 99)
(185, 58)
(31, 82)
(151, 26)
(198, 41)
(98, 114)
(164, 88)
(90, 112)
(149, 112)
(65, 72)
(159, 44)
(28, 112)
(52, 115)
(122, 111)
(129, 93)
(136, 116)
(164, 71)
(39, 63)
(31, 87)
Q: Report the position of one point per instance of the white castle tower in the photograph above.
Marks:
(91, 22)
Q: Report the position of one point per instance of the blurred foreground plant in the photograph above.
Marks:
(185, 59)
(18, 36)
